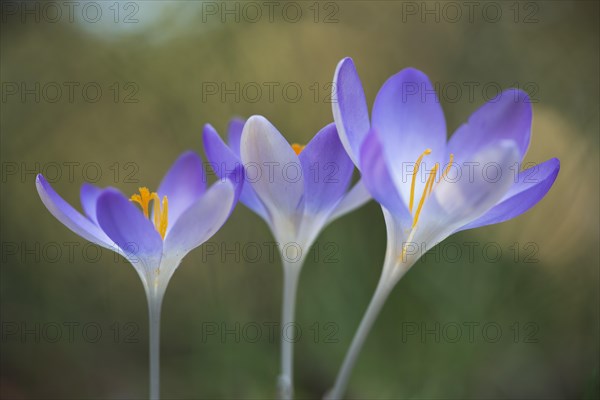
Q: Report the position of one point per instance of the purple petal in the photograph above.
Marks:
(125, 224)
(234, 134)
(272, 167)
(354, 198)
(221, 157)
(89, 197)
(408, 118)
(531, 187)
(350, 111)
(202, 220)
(327, 170)
(378, 180)
(223, 161)
(237, 180)
(508, 117)
(184, 184)
(456, 202)
(69, 216)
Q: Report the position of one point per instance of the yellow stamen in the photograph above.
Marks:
(161, 214)
(161, 217)
(447, 169)
(143, 199)
(298, 148)
(165, 217)
(414, 178)
(426, 192)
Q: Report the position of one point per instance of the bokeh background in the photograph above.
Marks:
(156, 63)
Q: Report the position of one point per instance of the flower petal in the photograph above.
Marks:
(327, 171)
(224, 160)
(354, 198)
(456, 202)
(396, 231)
(221, 157)
(531, 187)
(378, 180)
(408, 118)
(272, 167)
(236, 178)
(507, 117)
(234, 134)
(183, 185)
(350, 111)
(202, 220)
(125, 224)
(89, 197)
(69, 216)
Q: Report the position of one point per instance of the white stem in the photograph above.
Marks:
(291, 273)
(154, 306)
(377, 301)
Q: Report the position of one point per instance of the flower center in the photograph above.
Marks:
(160, 214)
(428, 185)
(426, 193)
(298, 148)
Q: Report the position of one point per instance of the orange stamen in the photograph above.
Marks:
(297, 148)
(160, 214)
(414, 178)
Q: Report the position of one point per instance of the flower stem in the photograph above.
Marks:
(377, 301)
(291, 273)
(154, 306)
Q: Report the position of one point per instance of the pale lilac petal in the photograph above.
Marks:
(327, 171)
(69, 216)
(354, 198)
(350, 111)
(202, 220)
(508, 117)
(234, 134)
(456, 202)
(272, 167)
(125, 224)
(532, 186)
(237, 179)
(184, 184)
(408, 118)
(89, 197)
(223, 161)
(397, 232)
(377, 178)
(221, 157)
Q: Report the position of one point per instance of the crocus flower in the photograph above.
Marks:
(430, 188)
(296, 189)
(152, 230)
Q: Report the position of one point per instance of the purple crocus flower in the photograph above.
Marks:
(296, 189)
(428, 187)
(152, 230)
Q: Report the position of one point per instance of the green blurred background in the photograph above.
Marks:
(154, 75)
